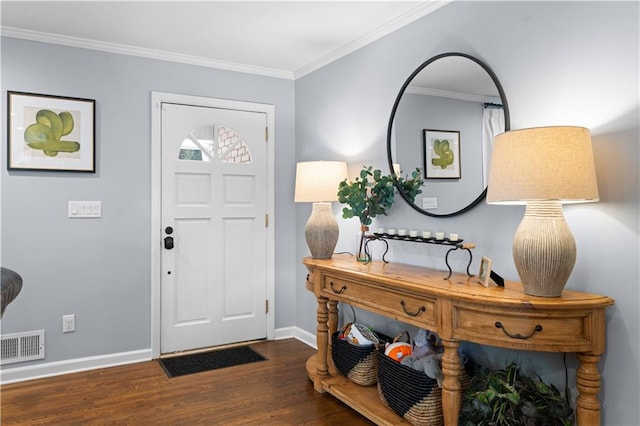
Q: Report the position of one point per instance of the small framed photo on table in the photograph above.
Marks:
(484, 275)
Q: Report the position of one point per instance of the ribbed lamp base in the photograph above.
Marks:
(544, 250)
(321, 231)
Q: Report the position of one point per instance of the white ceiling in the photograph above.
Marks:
(285, 39)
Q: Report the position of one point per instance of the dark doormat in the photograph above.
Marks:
(205, 361)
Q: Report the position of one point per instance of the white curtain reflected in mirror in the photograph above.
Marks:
(492, 125)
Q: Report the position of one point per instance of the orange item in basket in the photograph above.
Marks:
(397, 351)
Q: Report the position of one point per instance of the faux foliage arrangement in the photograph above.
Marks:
(506, 397)
(372, 194)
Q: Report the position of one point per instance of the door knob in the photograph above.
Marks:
(168, 243)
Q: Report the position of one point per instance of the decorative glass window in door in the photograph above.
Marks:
(217, 143)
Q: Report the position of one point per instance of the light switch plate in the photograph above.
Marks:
(85, 209)
(429, 203)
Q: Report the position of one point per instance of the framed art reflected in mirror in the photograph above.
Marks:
(441, 154)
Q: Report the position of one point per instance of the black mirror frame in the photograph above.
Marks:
(507, 126)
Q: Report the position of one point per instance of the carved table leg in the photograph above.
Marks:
(451, 385)
(333, 327)
(588, 383)
(333, 317)
(322, 339)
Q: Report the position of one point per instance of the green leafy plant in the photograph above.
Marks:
(372, 194)
(506, 397)
(411, 186)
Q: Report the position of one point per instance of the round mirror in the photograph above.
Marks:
(443, 121)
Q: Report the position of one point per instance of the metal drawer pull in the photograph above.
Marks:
(536, 329)
(412, 314)
(344, 287)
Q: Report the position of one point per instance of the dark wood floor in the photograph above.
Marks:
(272, 392)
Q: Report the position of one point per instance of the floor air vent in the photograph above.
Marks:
(19, 347)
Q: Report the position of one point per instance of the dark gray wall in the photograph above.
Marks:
(571, 63)
(99, 269)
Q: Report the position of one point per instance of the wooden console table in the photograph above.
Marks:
(458, 309)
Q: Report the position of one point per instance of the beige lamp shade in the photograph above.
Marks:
(543, 168)
(543, 163)
(318, 180)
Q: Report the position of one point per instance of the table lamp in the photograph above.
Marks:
(543, 168)
(317, 183)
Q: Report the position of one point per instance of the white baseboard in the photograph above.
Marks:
(297, 333)
(50, 369)
(39, 371)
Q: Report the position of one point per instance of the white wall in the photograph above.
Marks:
(569, 63)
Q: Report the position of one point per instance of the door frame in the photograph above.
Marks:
(157, 98)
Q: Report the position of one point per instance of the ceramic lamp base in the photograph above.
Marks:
(321, 231)
(544, 250)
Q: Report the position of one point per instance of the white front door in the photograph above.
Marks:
(214, 236)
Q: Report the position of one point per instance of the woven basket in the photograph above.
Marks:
(358, 363)
(411, 394)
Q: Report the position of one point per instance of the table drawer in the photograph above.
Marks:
(406, 307)
(522, 328)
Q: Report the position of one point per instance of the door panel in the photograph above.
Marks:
(214, 187)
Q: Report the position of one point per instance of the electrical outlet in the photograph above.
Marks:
(68, 323)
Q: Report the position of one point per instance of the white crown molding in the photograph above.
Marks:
(451, 95)
(141, 52)
(399, 22)
(404, 19)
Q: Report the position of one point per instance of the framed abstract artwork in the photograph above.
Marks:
(441, 154)
(54, 133)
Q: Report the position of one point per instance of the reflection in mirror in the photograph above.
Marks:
(215, 142)
(455, 98)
